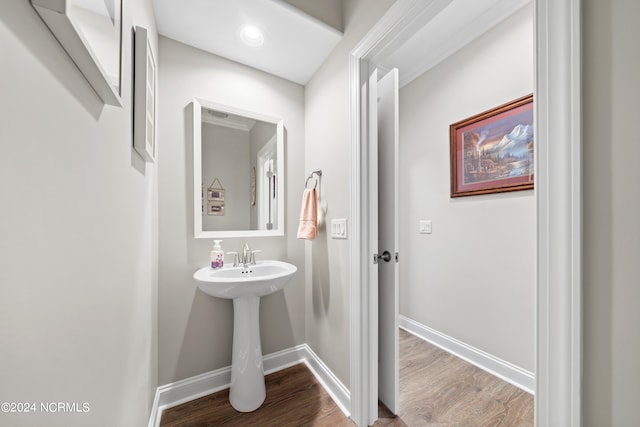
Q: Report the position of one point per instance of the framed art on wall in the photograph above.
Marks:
(215, 194)
(215, 198)
(90, 31)
(492, 152)
(144, 115)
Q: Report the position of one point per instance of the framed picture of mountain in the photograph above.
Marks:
(492, 152)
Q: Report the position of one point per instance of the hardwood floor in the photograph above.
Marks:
(439, 389)
(436, 389)
(294, 398)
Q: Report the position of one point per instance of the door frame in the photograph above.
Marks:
(558, 191)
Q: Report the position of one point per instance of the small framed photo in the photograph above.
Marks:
(492, 152)
(215, 194)
(144, 109)
(215, 207)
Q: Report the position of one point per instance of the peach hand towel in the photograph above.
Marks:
(308, 227)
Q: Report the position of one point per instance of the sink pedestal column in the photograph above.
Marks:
(247, 376)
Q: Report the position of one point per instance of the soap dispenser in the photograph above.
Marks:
(217, 255)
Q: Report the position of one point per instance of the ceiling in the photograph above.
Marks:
(458, 24)
(296, 44)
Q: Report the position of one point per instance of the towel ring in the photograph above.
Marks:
(315, 183)
(318, 174)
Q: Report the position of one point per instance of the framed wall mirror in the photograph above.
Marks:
(90, 31)
(238, 172)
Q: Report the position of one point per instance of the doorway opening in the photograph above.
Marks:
(467, 270)
(558, 254)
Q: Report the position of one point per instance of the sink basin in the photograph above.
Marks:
(245, 285)
(261, 279)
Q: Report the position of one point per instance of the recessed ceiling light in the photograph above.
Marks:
(252, 35)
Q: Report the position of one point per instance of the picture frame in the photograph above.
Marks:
(215, 198)
(215, 194)
(91, 34)
(215, 207)
(492, 152)
(145, 84)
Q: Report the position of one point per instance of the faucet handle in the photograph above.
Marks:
(236, 261)
(253, 256)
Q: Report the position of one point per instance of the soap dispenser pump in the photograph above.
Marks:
(217, 255)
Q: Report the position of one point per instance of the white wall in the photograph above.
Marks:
(474, 277)
(78, 220)
(327, 11)
(327, 148)
(195, 330)
(611, 275)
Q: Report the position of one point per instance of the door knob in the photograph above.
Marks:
(386, 257)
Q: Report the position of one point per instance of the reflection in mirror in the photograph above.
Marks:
(238, 172)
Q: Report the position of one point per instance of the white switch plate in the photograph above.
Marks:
(339, 228)
(425, 227)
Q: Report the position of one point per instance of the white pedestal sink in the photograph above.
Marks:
(245, 285)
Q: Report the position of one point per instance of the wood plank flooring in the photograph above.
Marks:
(439, 389)
(294, 398)
(436, 389)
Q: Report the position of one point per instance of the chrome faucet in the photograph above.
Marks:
(246, 254)
(246, 258)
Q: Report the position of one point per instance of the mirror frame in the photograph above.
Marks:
(54, 14)
(196, 134)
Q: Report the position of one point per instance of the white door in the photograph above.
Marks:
(383, 205)
(388, 230)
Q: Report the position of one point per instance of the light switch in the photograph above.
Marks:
(339, 228)
(425, 227)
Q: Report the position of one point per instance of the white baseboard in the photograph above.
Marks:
(179, 392)
(332, 385)
(515, 375)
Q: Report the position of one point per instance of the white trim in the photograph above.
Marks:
(179, 392)
(502, 369)
(558, 187)
(559, 204)
(156, 414)
(332, 385)
(194, 113)
(358, 356)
